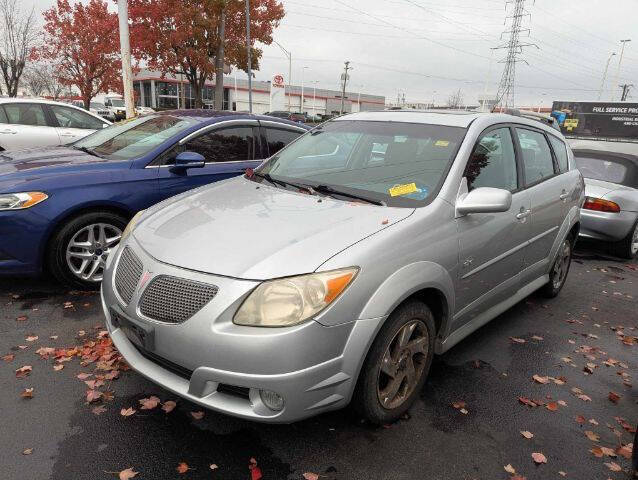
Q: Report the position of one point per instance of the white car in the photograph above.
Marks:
(30, 122)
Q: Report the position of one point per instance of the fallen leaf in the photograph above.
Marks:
(625, 451)
(458, 405)
(197, 415)
(562, 474)
(9, 357)
(527, 401)
(99, 410)
(562, 403)
(22, 318)
(613, 466)
(527, 434)
(594, 437)
(608, 451)
(552, 406)
(593, 422)
(580, 419)
(168, 406)
(182, 467)
(127, 412)
(509, 469)
(213, 466)
(464, 411)
(53, 337)
(23, 371)
(58, 367)
(27, 393)
(517, 340)
(84, 376)
(539, 458)
(27, 451)
(310, 476)
(613, 397)
(584, 398)
(539, 379)
(93, 384)
(127, 474)
(44, 352)
(536, 337)
(93, 395)
(31, 338)
(149, 403)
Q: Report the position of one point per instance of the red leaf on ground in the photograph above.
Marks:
(127, 474)
(539, 458)
(22, 318)
(597, 452)
(149, 403)
(613, 397)
(310, 476)
(44, 352)
(197, 415)
(580, 419)
(23, 371)
(625, 451)
(613, 466)
(527, 434)
(594, 437)
(182, 467)
(539, 379)
(552, 406)
(9, 357)
(84, 376)
(31, 338)
(527, 401)
(99, 410)
(168, 406)
(93, 395)
(27, 393)
(127, 412)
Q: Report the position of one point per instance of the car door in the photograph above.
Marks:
(73, 124)
(229, 150)
(547, 192)
(26, 125)
(492, 245)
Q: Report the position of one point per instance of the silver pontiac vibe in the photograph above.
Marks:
(334, 272)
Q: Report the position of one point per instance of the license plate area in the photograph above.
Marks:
(142, 335)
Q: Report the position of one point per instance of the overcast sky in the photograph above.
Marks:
(426, 48)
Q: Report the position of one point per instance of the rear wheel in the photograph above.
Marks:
(627, 247)
(559, 271)
(78, 251)
(397, 365)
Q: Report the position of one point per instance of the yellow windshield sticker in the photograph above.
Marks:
(442, 143)
(406, 189)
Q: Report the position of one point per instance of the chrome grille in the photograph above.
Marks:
(127, 276)
(175, 300)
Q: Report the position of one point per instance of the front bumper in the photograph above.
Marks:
(606, 226)
(222, 366)
(22, 237)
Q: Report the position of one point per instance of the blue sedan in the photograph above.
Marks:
(63, 209)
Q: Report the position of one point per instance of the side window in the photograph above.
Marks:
(30, 114)
(224, 145)
(72, 118)
(3, 116)
(537, 157)
(493, 162)
(561, 153)
(278, 138)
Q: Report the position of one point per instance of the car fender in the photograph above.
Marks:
(406, 281)
(571, 219)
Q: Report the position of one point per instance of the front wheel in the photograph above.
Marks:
(79, 249)
(397, 364)
(628, 247)
(560, 269)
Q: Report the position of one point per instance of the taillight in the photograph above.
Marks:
(600, 205)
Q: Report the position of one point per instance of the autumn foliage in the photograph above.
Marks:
(182, 36)
(83, 40)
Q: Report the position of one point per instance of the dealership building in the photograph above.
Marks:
(165, 92)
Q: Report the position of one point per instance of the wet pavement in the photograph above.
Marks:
(488, 371)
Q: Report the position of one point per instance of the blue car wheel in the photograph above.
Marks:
(79, 249)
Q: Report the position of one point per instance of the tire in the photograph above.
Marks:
(61, 256)
(560, 270)
(628, 246)
(373, 398)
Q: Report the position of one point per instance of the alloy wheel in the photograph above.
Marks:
(634, 241)
(402, 364)
(561, 266)
(88, 249)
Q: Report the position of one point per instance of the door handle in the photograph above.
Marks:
(523, 214)
(563, 195)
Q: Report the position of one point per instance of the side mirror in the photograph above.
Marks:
(484, 200)
(189, 160)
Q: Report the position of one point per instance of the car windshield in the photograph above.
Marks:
(97, 106)
(117, 102)
(401, 164)
(608, 169)
(135, 138)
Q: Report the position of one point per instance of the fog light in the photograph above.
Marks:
(272, 400)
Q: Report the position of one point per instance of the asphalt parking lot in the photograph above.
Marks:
(467, 424)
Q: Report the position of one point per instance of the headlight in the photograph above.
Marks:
(20, 201)
(289, 301)
(131, 225)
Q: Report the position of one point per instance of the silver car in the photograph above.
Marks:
(610, 212)
(333, 272)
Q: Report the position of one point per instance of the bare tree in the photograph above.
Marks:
(18, 35)
(456, 99)
(34, 79)
(52, 85)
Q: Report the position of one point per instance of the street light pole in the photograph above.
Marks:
(622, 51)
(343, 90)
(250, 60)
(302, 89)
(125, 47)
(314, 100)
(289, 55)
(602, 84)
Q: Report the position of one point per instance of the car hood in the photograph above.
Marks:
(36, 158)
(600, 188)
(242, 229)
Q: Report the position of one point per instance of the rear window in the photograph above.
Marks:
(609, 170)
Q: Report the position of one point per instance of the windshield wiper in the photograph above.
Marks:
(283, 183)
(332, 191)
(89, 151)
